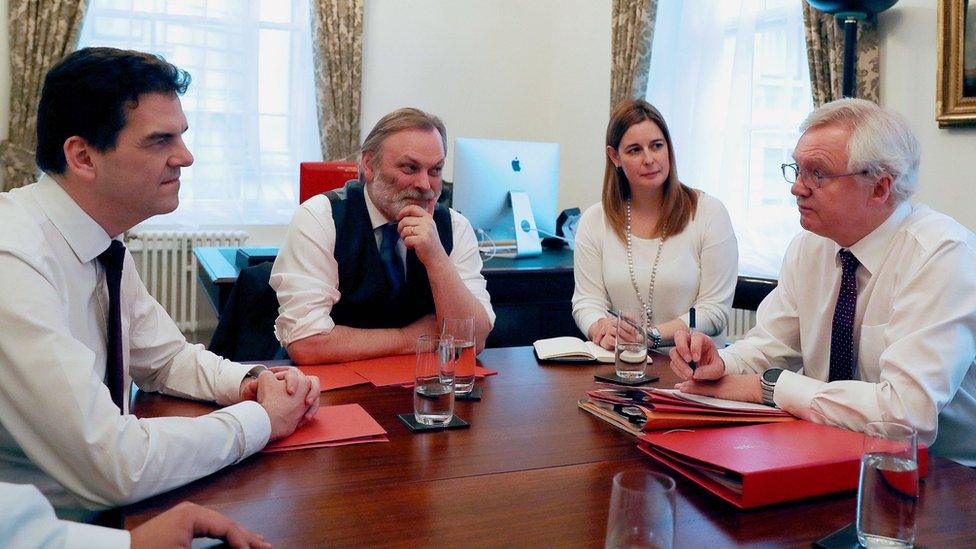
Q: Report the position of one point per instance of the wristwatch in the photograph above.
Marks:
(768, 383)
(655, 336)
(254, 372)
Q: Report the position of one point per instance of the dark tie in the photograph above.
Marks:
(112, 259)
(391, 260)
(842, 359)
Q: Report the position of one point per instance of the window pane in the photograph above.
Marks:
(251, 123)
(731, 79)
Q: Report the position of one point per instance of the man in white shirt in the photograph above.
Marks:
(874, 317)
(27, 520)
(365, 270)
(79, 325)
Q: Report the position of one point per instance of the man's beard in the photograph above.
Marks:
(390, 201)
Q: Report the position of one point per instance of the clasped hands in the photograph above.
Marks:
(709, 378)
(290, 397)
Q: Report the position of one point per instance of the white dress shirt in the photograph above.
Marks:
(28, 521)
(698, 268)
(914, 331)
(306, 275)
(59, 429)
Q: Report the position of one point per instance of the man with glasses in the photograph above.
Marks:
(874, 317)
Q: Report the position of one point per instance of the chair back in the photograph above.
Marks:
(317, 177)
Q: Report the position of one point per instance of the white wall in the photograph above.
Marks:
(502, 69)
(908, 73)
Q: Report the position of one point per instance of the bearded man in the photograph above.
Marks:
(366, 269)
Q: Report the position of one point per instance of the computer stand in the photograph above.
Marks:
(527, 242)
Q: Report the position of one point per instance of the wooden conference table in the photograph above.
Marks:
(532, 470)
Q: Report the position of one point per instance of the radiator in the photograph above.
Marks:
(166, 263)
(741, 322)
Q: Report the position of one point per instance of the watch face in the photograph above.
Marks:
(771, 375)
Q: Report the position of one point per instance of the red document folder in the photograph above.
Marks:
(333, 426)
(396, 370)
(755, 465)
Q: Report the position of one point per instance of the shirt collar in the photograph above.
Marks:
(870, 250)
(376, 217)
(86, 238)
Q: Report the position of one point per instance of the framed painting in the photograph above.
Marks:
(956, 86)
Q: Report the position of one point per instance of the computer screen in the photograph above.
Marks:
(486, 170)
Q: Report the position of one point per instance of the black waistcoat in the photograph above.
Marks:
(366, 298)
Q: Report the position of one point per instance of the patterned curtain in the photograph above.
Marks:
(337, 44)
(41, 32)
(825, 54)
(632, 37)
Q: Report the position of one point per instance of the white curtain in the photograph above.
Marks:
(250, 106)
(731, 79)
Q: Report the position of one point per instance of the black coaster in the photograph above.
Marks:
(845, 538)
(614, 378)
(414, 426)
(475, 394)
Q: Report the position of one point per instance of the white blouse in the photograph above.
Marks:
(698, 268)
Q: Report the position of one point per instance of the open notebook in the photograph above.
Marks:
(571, 349)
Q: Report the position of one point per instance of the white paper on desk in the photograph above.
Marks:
(719, 402)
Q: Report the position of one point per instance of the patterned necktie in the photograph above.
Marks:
(842, 359)
(391, 260)
(112, 259)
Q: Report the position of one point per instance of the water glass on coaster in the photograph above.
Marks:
(462, 330)
(887, 493)
(433, 387)
(641, 510)
(630, 352)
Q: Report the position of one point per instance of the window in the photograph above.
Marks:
(250, 105)
(731, 79)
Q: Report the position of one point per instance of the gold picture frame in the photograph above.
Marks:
(955, 101)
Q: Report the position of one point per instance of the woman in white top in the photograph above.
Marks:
(653, 243)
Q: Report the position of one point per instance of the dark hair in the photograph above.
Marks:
(87, 94)
(679, 203)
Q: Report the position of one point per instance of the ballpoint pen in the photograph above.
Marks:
(691, 328)
(616, 313)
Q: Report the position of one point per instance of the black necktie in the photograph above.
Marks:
(391, 260)
(842, 359)
(112, 259)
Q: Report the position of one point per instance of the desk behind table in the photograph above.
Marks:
(532, 470)
(531, 297)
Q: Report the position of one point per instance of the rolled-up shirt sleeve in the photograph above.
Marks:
(467, 260)
(305, 275)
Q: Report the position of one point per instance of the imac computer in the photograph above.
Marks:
(508, 190)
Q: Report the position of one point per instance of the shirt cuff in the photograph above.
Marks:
(732, 364)
(229, 378)
(794, 393)
(255, 424)
(81, 535)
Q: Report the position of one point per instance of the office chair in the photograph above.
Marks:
(245, 330)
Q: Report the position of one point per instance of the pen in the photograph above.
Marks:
(691, 328)
(616, 313)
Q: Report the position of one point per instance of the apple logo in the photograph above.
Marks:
(516, 166)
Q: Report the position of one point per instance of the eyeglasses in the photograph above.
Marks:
(792, 172)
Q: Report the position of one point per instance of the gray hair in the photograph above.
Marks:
(407, 118)
(881, 141)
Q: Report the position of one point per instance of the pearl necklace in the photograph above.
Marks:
(648, 310)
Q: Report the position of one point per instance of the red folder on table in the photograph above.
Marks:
(333, 426)
(333, 376)
(755, 465)
(396, 370)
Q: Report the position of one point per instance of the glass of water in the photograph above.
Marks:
(433, 385)
(887, 494)
(641, 511)
(630, 353)
(462, 330)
